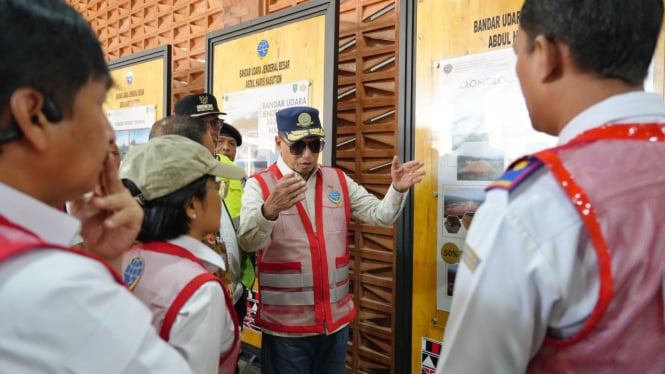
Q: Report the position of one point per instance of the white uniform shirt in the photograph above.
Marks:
(255, 229)
(228, 234)
(203, 329)
(537, 270)
(64, 313)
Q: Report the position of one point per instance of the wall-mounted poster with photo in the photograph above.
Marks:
(484, 127)
(140, 95)
(252, 112)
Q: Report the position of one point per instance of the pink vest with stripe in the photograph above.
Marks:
(15, 240)
(615, 177)
(303, 272)
(169, 278)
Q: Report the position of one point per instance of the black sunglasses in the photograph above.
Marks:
(216, 123)
(297, 148)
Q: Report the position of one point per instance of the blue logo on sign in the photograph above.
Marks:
(262, 48)
(130, 77)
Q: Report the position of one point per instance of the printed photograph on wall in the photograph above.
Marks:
(252, 112)
(484, 127)
(131, 125)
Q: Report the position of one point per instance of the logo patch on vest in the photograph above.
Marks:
(335, 197)
(133, 272)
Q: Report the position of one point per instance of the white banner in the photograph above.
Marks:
(252, 112)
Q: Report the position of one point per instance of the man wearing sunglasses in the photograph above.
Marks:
(296, 214)
(204, 108)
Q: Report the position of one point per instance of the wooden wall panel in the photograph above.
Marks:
(445, 30)
(125, 27)
(367, 141)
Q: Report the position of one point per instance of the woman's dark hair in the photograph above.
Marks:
(165, 218)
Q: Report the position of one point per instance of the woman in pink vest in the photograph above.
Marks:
(176, 181)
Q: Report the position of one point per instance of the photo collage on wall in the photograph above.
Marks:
(484, 127)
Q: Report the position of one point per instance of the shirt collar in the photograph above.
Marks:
(199, 250)
(632, 107)
(50, 224)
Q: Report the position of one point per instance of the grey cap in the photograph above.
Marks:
(168, 163)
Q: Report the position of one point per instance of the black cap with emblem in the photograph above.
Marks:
(197, 105)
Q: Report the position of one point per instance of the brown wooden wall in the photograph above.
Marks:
(366, 128)
(366, 143)
(126, 27)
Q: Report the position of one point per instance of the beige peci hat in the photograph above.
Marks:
(168, 163)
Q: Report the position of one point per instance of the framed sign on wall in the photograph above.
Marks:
(284, 59)
(140, 95)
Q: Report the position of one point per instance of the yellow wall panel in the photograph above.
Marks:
(447, 29)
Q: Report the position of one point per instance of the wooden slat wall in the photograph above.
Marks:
(125, 27)
(367, 141)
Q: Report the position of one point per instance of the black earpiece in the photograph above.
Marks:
(51, 110)
(13, 132)
(10, 133)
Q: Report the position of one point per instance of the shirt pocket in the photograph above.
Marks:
(334, 216)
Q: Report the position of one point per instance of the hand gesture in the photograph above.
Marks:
(287, 192)
(110, 219)
(407, 174)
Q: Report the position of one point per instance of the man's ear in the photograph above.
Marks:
(26, 104)
(550, 63)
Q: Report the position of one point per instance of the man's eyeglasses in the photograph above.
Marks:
(216, 123)
(297, 148)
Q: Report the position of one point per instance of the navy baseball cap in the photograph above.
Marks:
(299, 122)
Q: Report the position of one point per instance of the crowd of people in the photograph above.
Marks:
(143, 265)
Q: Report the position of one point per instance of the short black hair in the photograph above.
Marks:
(165, 218)
(186, 126)
(47, 45)
(608, 38)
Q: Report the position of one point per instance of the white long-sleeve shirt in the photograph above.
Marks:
(203, 329)
(64, 313)
(537, 270)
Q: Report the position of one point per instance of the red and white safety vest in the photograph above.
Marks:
(15, 240)
(165, 292)
(303, 271)
(615, 177)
